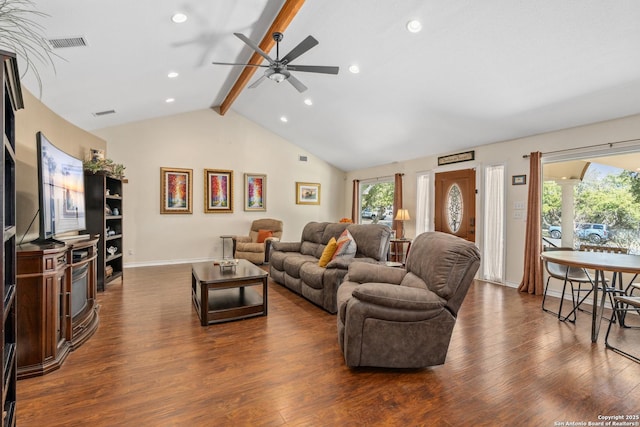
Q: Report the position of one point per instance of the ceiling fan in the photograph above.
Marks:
(279, 69)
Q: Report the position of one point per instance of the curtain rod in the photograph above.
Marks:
(378, 178)
(609, 144)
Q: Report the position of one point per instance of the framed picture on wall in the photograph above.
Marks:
(307, 193)
(176, 190)
(518, 179)
(255, 192)
(218, 187)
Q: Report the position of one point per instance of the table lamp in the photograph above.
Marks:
(402, 215)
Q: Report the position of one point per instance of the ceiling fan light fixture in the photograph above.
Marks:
(414, 26)
(354, 69)
(277, 77)
(308, 101)
(179, 18)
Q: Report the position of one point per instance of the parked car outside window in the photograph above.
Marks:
(595, 233)
(555, 231)
(368, 213)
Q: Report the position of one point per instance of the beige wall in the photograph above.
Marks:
(510, 154)
(205, 140)
(37, 117)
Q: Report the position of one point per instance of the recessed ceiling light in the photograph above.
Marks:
(169, 100)
(172, 75)
(308, 101)
(354, 69)
(179, 18)
(414, 26)
(283, 119)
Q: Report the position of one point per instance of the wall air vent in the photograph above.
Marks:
(104, 113)
(302, 158)
(63, 42)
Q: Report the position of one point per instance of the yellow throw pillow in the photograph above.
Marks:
(328, 252)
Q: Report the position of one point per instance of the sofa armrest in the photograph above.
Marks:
(243, 239)
(364, 272)
(398, 297)
(286, 246)
(267, 247)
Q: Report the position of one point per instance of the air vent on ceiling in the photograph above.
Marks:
(302, 158)
(63, 42)
(104, 113)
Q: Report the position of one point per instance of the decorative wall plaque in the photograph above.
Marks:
(457, 158)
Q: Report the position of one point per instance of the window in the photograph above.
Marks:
(376, 201)
(595, 200)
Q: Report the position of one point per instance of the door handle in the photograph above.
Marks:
(472, 222)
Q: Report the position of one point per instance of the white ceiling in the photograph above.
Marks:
(477, 73)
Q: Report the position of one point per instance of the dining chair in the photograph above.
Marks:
(623, 304)
(569, 275)
(615, 286)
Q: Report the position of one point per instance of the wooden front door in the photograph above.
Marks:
(455, 204)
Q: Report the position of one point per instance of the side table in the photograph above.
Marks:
(397, 251)
(224, 239)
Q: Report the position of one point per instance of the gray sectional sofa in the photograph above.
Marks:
(295, 264)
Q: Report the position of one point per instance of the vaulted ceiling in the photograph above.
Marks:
(477, 73)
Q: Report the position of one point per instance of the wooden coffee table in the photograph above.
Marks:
(222, 295)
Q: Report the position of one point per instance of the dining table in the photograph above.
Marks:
(600, 262)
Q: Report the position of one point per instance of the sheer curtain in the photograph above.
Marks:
(494, 211)
(423, 214)
(532, 281)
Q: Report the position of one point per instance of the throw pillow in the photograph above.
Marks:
(346, 246)
(328, 252)
(263, 235)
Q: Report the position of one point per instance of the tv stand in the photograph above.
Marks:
(57, 307)
(48, 242)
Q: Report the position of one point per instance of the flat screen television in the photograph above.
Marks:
(61, 191)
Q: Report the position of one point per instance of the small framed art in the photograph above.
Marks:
(255, 192)
(307, 193)
(518, 179)
(176, 186)
(218, 187)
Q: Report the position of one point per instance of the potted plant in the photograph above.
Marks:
(21, 34)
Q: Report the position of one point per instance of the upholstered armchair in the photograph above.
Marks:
(404, 317)
(256, 246)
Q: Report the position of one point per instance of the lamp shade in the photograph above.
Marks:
(403, 215)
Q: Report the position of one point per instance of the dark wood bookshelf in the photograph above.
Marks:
(103, 198)
(12, 101)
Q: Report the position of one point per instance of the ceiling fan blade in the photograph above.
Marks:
(304, 46)
(296, 83)
(313, 69)
(253, 46)
(241, 65)
(257, 82)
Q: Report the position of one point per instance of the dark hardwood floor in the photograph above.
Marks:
(151, 364)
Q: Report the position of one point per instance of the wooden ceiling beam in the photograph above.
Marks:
(285, 16)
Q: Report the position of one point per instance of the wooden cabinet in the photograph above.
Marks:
(57, 308)
(11, 101)
(103, 198)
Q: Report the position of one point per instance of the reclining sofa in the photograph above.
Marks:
(295, 264)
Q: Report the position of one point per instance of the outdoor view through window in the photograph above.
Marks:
(376, 202)
(606, 202)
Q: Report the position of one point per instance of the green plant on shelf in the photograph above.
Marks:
(106, 166)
